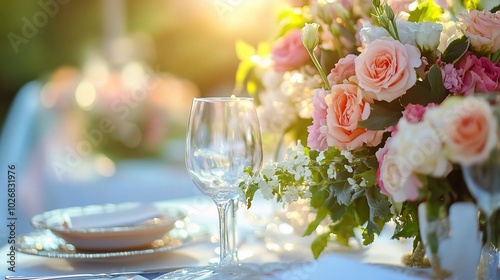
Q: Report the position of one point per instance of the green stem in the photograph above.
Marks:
(395, 30)
(320, 70)
(336, 42)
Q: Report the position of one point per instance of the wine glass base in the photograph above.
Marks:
(227, 272)
(194, 273)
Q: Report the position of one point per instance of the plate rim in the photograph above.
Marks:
(38, 220)
(203, 235)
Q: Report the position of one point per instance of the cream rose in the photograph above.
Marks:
(419, 144)
(428, 35)
(345, 107)
(387, 68)
(467, 126)
(483, 30)
(396, 179)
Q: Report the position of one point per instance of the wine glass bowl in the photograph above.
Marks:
(223, 139)
(483, 181)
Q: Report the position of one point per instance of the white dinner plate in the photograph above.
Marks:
(45, 243)
(110, 227)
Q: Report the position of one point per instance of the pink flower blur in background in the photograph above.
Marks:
(288, 53)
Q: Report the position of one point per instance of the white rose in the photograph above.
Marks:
(398, 181)
(370, 33)
(424, 35)
(428, 36)
(421, 146)
(407, 31)
(449, 34)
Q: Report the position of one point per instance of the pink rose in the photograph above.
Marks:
(482, 28)
(345, 107)
(478, 74)
(316, 140)
(343, 70)
(468, 128)
(452, 78)
(289, 53)
(414, 113)
(394, 179)
(386, 68)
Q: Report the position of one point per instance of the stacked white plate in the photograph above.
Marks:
(110, 227)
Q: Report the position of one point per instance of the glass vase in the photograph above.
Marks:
(452, 242)
(490, 252)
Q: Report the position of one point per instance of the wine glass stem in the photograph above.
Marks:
(221, 209)
(232, 237)
(492, 247)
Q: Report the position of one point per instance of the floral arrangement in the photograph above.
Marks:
(122, 112)
(386, 98)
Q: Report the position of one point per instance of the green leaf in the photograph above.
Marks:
(336, 210)
(417, 94)
(370, 176)
(407, 221)
(362, 210)
(430, 90)
(319, 244)
(344, 229)
(290, 19)
(242, 74)
(371, 161)
(250, 193)
(244, 51)
(369, 233)
(495, 9)
(320, 216)
(455, 50)
(382, 115)
(379, 207)
(319, 196)
(438, 91)
(342, 191)
(472, 4)
(252, 87)
(368, 237)
(263, 49)
(358, 194)
(426, 11)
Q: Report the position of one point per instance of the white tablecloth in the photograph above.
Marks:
(354, 264)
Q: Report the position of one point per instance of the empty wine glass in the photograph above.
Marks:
(223, 139)
(483, 181)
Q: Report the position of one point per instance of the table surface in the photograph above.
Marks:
(252, 248)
